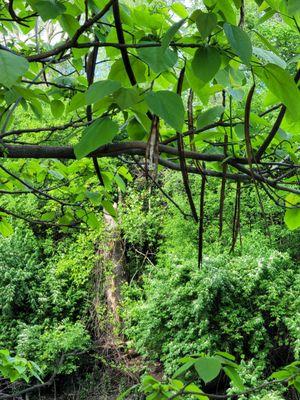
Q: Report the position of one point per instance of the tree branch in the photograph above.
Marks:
(121, 39)
(139, 148)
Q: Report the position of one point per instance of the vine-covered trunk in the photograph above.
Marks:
(109, 274)
(113, 263)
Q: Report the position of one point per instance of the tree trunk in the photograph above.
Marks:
(109, 274)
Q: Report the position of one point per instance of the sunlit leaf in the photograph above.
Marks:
(12, 67)
(269, 57)
(109, 207)
(179, 9)
(102, 131)
(292, 213)
(6, 228)
(184, 368)
(69, 24)
(77, 101)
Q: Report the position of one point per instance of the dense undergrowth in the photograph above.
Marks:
(244, 299)
(45, 295)
(244, 302)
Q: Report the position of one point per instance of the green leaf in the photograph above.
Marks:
(125, 173)
(57, 108)
(167, 105)
(239, 41)
(143, 120)
(234, 377)
(266, 42)
(98, 90)
(206, 23)
(118, 72)
(6, 228)
(292, 215)
(227, 358)
(92, 221)
(281, 375)
(225, 355)
(208, 135)
(159, 60)
(267, 15)
(296, 384)
(208, 368)
(126, 97)
(124, 395)
(102, 131)
(77, 101)
(179, 10)
(109, 207)
(184, 368)
(237, 3)
(282, 85)
(11, 68)
(120, 182)
(49, 9)
(69, 24)
(171, 32)
(209, 116)
(48, 216)
(226, 10)
(269, 57)
(206, 63)
(36, 107)
(107, 179)
(135, 130)
(194, 388)
(293, 7)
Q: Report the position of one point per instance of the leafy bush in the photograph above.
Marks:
(244, 302)
(196, 374)
(243, 305)
(45, 295)
(48, 345)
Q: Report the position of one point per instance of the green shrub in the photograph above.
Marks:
(45, 295)
(246, 305)
(48, 344)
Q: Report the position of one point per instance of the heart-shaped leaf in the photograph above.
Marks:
(167, 105)
(206, 63)
(100, 132)
(208, 368)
